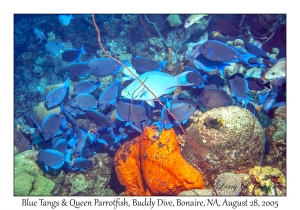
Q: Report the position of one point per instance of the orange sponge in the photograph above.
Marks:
(152, 165)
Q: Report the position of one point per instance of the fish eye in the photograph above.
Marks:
(273, 73)
(188, 21)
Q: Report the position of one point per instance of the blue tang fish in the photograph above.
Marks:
(109, 95)
(56, 96)
(53, 48)
(158, 82)
(203, 63)
(31, 122)
(269, 99)
(65, 19)
(130, 112)
(181, 110)
(218, 51)
(99, 118)
(251, 48)
(61, 145)
(68, 116)
(90, 147)
(195, 77)
(72, 55)
(86, 86)
(82, 163)
(81, 135)
(53, 125)
(102, 67)
(78, 70)
(141, 64)
(214, 98)
(51, 158)
(239, 87)
(84, 101)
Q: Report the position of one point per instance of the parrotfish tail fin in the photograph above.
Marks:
(245, 57)
(82, 50)
(182, 80)
(159, 125)
(262, 98)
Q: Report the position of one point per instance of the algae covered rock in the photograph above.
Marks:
(28, 177)
(276, 136)
(264, 181)
(233, 142)
(174, 20)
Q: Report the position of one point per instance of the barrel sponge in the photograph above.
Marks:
(236, 146)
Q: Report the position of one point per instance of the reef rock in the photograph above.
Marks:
(235, 145)
(90, 182)
(276, 137)
(264, 181)
(29, 179)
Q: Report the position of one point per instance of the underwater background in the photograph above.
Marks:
(84, 125)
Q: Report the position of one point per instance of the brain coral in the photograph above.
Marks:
(236, 146)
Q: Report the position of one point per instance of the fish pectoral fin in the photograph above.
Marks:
(197, 21)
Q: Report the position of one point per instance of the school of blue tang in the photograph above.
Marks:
(121, 110)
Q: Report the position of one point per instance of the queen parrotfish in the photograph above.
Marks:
(158, 82)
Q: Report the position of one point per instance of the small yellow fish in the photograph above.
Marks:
(213, 123)
(193, 19)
